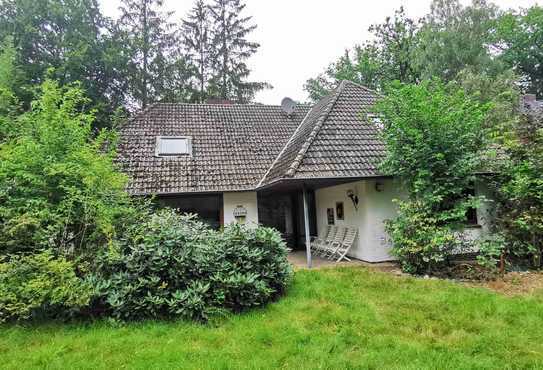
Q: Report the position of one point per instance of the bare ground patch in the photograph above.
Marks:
(514, 283)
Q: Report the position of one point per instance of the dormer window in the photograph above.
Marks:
(173, 146)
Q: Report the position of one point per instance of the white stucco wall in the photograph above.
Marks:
(247, 200)
(374, 207)
(373, 243)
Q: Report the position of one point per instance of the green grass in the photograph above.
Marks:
(336, 318)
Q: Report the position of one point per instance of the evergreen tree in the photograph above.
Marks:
(196, 39)
(230, 50)
(153, 49)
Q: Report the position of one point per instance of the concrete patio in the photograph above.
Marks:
(299, 260)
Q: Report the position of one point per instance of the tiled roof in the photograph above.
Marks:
(244, 147)
(232, 146)
(335, 140)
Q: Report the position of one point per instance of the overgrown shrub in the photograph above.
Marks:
(490, 252)
(434, 134)
(519, 189)
(175, 266)
(59, 188)
(421, 242)
(40, 285)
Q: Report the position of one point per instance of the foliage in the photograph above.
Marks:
(433, 135)
(396, 42)
(229, 51)
(519, 188)
(490, 250)
(68, 41)
(455, 37)
(59, 187)
(422, 242)
(362, 65)
(389, 57)
(152, 44)
(501, 91)
(449, 40)
(347, 317)
(517, 38)
(10, 78)
(40, 285)
(174, 266)
(196, 31)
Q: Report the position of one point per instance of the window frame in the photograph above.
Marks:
(472, 214)
(176, 155)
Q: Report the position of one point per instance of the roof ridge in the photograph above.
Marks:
(138, 114)
(230, 105)
(326, 111)
(283, 149)
(364, 87)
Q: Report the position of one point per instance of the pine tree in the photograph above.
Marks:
(196, 40)
(230, 50)
(152, 44)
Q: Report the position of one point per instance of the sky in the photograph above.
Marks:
(300, 38)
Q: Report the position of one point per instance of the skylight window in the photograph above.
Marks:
(173, 146)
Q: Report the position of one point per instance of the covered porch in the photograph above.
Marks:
(304, 208)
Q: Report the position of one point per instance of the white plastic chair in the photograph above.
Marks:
(343, 248)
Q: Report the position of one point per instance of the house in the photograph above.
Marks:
(296, 171)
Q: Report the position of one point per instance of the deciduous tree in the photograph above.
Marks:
(391, 56)
(69, 41)
(454, 37)
(59, 187)
(519, 38)
(434, 138)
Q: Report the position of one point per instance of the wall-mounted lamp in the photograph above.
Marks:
(353, 197)
(379, 186)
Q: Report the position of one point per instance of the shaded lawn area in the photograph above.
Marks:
(333, 318)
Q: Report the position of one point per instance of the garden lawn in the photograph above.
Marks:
(332, 318)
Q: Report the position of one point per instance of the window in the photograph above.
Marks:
(471, 214)
(470, 219)
(172, 146)
(376, 120)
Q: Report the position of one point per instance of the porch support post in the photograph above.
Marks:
(306, 225)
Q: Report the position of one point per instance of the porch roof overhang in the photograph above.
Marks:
(312, 183)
